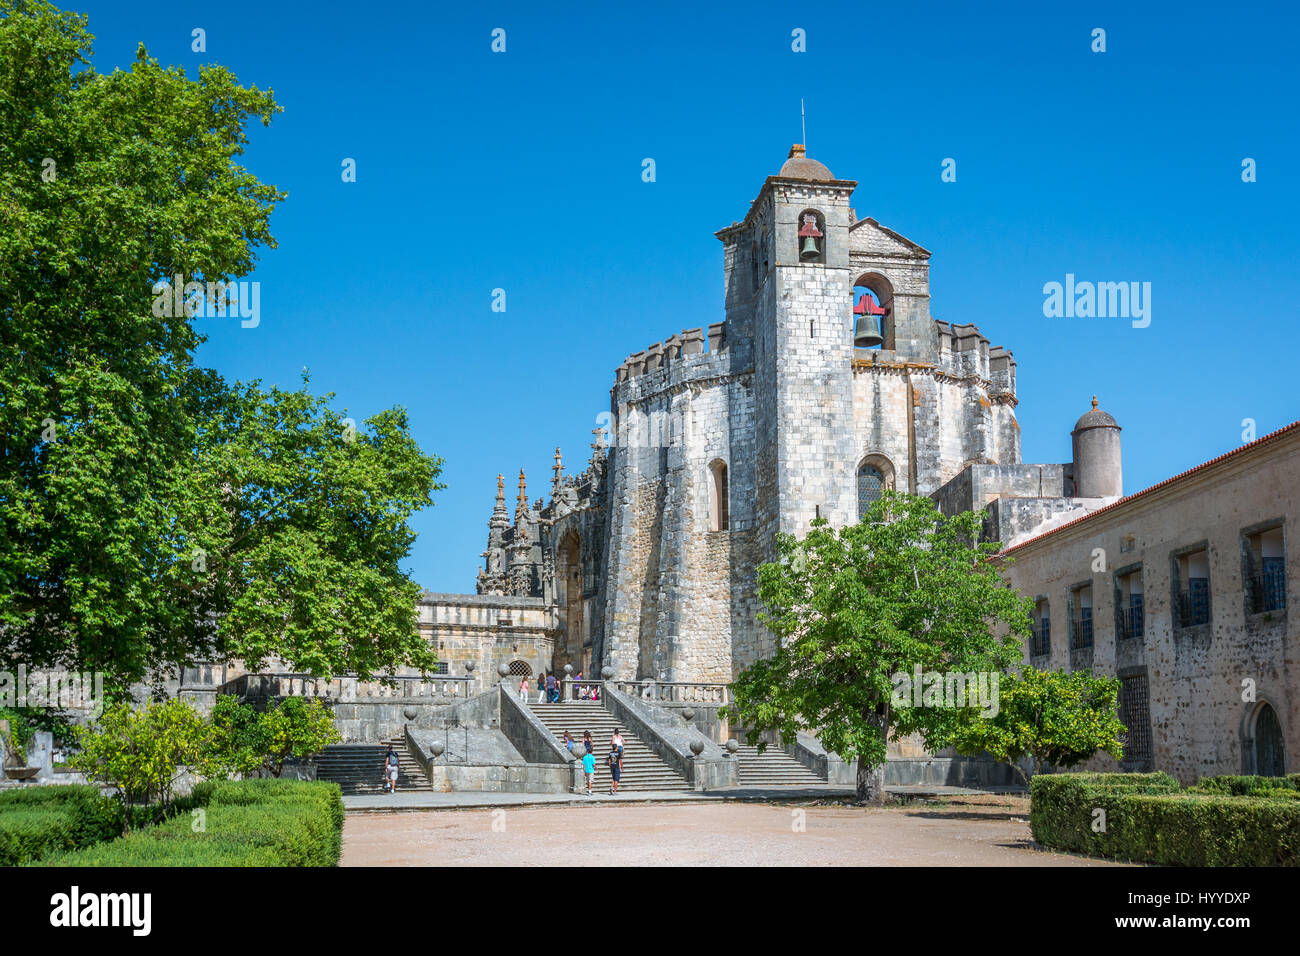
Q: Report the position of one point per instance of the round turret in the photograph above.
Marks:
(1098, 470)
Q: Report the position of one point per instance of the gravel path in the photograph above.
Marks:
(979, 831)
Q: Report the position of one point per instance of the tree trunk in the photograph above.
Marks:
(870, 783)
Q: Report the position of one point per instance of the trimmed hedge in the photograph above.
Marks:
(1149, 820)
(38, 821)
(246, 823)
(1241, 786)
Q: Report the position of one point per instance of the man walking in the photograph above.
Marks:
(615, 764)
(589, 768)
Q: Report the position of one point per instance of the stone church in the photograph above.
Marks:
(828, 380)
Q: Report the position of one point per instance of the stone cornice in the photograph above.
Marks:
(696, 385)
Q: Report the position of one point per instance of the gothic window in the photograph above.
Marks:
(520, 669)
(871, 485)
(719, 516)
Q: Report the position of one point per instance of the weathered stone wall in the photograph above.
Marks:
(669, 581)
(1197, 676)
(488, 630)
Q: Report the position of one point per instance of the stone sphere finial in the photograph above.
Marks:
(732, 745)
(469, 667)
(607, 672)
(697, 746)
(437, 749)
(503, 668)
(409, 712)
(688, 713)
(568, 669)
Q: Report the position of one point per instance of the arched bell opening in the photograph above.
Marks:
(812, 237)
(873, 319)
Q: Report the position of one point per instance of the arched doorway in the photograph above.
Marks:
(1269, 747)
(568, 582)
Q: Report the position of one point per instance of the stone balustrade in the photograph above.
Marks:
(675, 692)
(347, 688)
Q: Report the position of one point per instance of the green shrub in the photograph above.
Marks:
(1147, 820)
(246, 823)
(38, 821)
(1244, 786)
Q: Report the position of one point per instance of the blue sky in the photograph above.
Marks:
(522, 171)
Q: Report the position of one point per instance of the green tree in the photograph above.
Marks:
(851, 608)
(1057, 719)
(152, 514)
(141, 751)
(110, 183)
(242, 740)
(234, 742)
(302, 560)
(296, 728)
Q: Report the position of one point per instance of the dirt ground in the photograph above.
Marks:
(966, 831)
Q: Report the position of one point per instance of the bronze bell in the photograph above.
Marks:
(866, 332)
(809, 250)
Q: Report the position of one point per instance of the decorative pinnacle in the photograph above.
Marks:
(523, 494)
(1094, 401)
(558, 468)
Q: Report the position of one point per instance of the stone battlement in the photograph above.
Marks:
(964, 351)
(689, 342)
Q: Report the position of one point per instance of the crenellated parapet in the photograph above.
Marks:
(964, 352)
(663, 354)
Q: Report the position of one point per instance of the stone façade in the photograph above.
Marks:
(640, 574)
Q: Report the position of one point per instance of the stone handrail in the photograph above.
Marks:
(676, 692)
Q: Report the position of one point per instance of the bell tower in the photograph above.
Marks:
(789, 297)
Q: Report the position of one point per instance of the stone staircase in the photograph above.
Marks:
(643, 769)
(772, 768)
(359, 768)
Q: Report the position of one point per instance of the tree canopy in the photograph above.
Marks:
(150, 513)
(851, 608)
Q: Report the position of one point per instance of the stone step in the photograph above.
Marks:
(359, 768)
(643, 769)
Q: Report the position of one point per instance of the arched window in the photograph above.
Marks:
(875, 477)
(871, 485)
(520, 669)
(719, 505)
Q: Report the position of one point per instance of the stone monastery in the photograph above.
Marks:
(827, 381)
